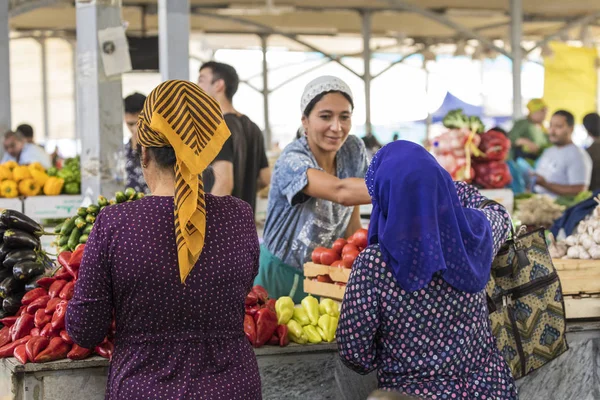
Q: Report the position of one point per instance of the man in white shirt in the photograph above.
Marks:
(16, 148)
(564, 169)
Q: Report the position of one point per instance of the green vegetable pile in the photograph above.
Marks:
(75, 230)
(456, 119)
(71, 173)
(570, 201)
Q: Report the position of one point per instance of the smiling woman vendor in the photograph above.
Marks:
(317, 185)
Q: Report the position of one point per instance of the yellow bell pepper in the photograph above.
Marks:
(53, 186)
(329, 307)
(36, 166)
(301, 316)
(285, 310)
(312, 334)
(9, 189)
(329, 325)
(20, 173)
(5, 173)
(323, 336)
(40, 177)
(11, 165)
(29, 187)
(311, 305)
(295, 332)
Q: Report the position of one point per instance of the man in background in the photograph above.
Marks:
(563, 169)
(527, 137)
(16, 148)
(27, 131)
(134, 104)
(242, 167)
(591, 123)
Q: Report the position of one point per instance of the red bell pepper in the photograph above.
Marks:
(37, 304)
(261, 294)
(21, 311)
(251, 299)
(9, 321)
(65, 337)
(46, 282)
(492, 175)
(51, 306)
(270, 304)
(21, 354)
(79, 353)
(4, 336)
(76, 257)
(58, 319)
(63, 274)
(22, 327)
(56, 350)
(274, 341)
(35, 345)
(250, 328)
(56, 287)
(67, 291)
(32, 295)
(251, 310)
(282, 332)
(64, 259)
(8, 349)
(266, 325)
(48, 331)
(35, 332)
(105, 349)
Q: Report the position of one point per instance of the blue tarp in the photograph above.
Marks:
(452, 102)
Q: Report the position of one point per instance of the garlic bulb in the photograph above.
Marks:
(586, 241)
(574, 252)
(584, 255)
(582, 227)
(573, 241)
(595, 252)
(596, 236)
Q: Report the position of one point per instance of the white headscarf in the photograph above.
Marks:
(321, 85)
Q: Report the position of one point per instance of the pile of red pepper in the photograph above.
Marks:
(37, 332)
(491, 170)
(260, 321)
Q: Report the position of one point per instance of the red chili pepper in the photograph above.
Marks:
(76, 257)
(21, 354)
(46, 282)
(33, 295)
(65, 337)
(8, 349)
(35, 332)
(22, 327)
(58, 319)
(105, 349)
(56, 287)
(270, 304)
(251, 299)
(79, 353)
(35, 345)
(495, 145)
(9, 321)
(21, 311)
(266, 325)
(274, 341)
(48, 331)
(4, 336)
(64, 260)
(67, 291)
(492, 175)
(261, 294)
(251, 310)
(250, 328)
(39, 303)
(56, 350)
(40, 318)
(63, 274)
(282, 332)
(51, 306)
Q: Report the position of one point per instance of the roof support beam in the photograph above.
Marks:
(393, 64)
(566, 28)
(516, 36)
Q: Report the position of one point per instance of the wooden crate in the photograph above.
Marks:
(582, 307)
(329, 290)
(322, 289)
(578, 276)
(312, 270)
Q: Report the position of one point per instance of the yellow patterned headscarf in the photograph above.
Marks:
(181, 115)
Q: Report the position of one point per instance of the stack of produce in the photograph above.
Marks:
(37, 332)
(31, 180)
(343, 252)
(491, 169)
(75, 230)
(70, 173)
(310, 321)
(261, 325)
(22, 260)
(454, 148)
(538, 210)
(584, 244)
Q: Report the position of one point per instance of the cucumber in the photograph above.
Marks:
(93, 209)
(63, 248)
(120, 197)
(130, 193)
(58, 228)
(63, 241)
(80, 222)
(68, 226)
(112, 202)
(74, 238)
(88, 229)
(83, 239)
(102, 201)
(140, 196)
(26, 270)
(90, 219)
(82, 212)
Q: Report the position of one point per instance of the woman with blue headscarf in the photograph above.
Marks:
(415, 308)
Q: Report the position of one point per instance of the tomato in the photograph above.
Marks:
(324, 279)
(316, 255)
(339, 244)
(361, 238)
(328, 256)
(349, 247)
(349, 257)
(338, 264)
(351, 239)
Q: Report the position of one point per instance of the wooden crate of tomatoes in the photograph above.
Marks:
(329, 271)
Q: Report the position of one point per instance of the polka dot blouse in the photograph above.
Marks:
(434, 343)
(173, 340)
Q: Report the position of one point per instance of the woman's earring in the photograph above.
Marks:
(144, 166)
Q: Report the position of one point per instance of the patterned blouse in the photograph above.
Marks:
(436, 342)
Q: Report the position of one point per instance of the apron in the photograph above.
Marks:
(279, 278)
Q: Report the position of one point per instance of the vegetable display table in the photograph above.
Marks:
(580, 281)
(286, 372)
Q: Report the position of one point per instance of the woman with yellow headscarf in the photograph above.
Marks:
(174, 267)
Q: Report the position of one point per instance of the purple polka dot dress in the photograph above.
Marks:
(174, 340)
(436, 342)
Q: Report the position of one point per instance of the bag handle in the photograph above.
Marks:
(488, 202)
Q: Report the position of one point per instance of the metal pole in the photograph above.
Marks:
(174, 39)
(429, 120)
(4, 69)
(516, 35)
(366, 34)
(265, 91)
(45, 105)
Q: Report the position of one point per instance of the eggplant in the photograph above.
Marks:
(11, 304)
(25, 270)
(5, 273)
(3, 313)
(13, 219)
(4, 250)
(10, 286)
(33, 283)
(17, 256)
(16, 239)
